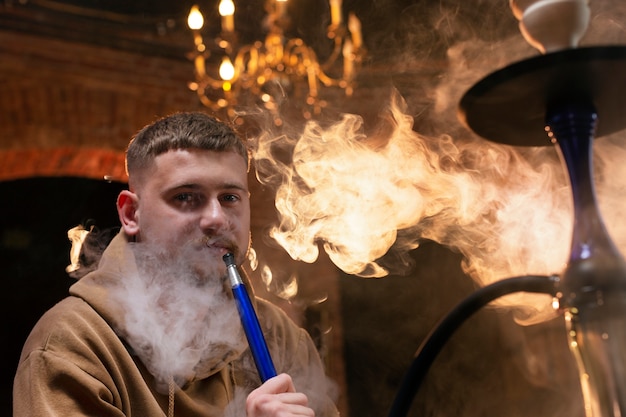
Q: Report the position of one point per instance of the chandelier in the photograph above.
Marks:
(266, 72)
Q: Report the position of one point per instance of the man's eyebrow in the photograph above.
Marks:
(222, 186)
(186, 186)
(236, 186)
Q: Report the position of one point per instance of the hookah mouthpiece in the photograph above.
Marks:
(249, 321)
(231, 269)
(229, 259)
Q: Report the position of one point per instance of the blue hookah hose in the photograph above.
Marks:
(249, 321)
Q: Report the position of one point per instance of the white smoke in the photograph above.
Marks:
(507, 214)
(175, 320)
(362, 196)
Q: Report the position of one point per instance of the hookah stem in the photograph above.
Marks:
(250, 322)
(572, 126)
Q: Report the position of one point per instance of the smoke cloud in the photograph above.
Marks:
(365, 197)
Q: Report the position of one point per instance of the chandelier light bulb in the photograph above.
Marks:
(278, 58)
(227, 70)
(227, 11)
(227, 8)
(195, 20)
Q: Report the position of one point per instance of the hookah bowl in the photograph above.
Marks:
(565, 99)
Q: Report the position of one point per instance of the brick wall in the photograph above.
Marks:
(92, 163)
(71, 108)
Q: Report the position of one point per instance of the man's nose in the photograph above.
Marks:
(213, 216)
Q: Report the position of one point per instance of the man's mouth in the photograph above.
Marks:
(218, 244)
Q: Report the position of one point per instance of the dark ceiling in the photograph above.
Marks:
(407, 41)
(160, 26)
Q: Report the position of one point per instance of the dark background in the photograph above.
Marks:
(35, 217)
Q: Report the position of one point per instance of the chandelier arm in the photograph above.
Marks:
(208, 81)
(305, 57)
(295, 48)
(203, 79)
(199, 66)
(326, 79)
(335, 54)
(245, 70)
(275, 50)
(312, 76)
(206, 101)
(288, 63)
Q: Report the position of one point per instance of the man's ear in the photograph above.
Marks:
(127, 212)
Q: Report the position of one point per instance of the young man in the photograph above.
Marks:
(154, 330)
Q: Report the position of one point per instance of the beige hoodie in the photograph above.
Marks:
(75, 364)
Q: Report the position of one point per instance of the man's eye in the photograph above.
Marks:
(184, 197)
(231, 198)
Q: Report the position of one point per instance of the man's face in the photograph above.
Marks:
(193, 203)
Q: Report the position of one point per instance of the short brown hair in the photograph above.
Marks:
(185, 130)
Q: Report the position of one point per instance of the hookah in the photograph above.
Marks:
(565, 97)
(249, 321)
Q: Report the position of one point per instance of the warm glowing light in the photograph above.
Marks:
(227, 11)
(335, 12)
(281, 7)
(195, 21)
(227, 70)
(555, 303)
(227, 8)
(354, 25)
(348, 60)
(277, 60)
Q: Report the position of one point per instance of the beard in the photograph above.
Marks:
(178, 313)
